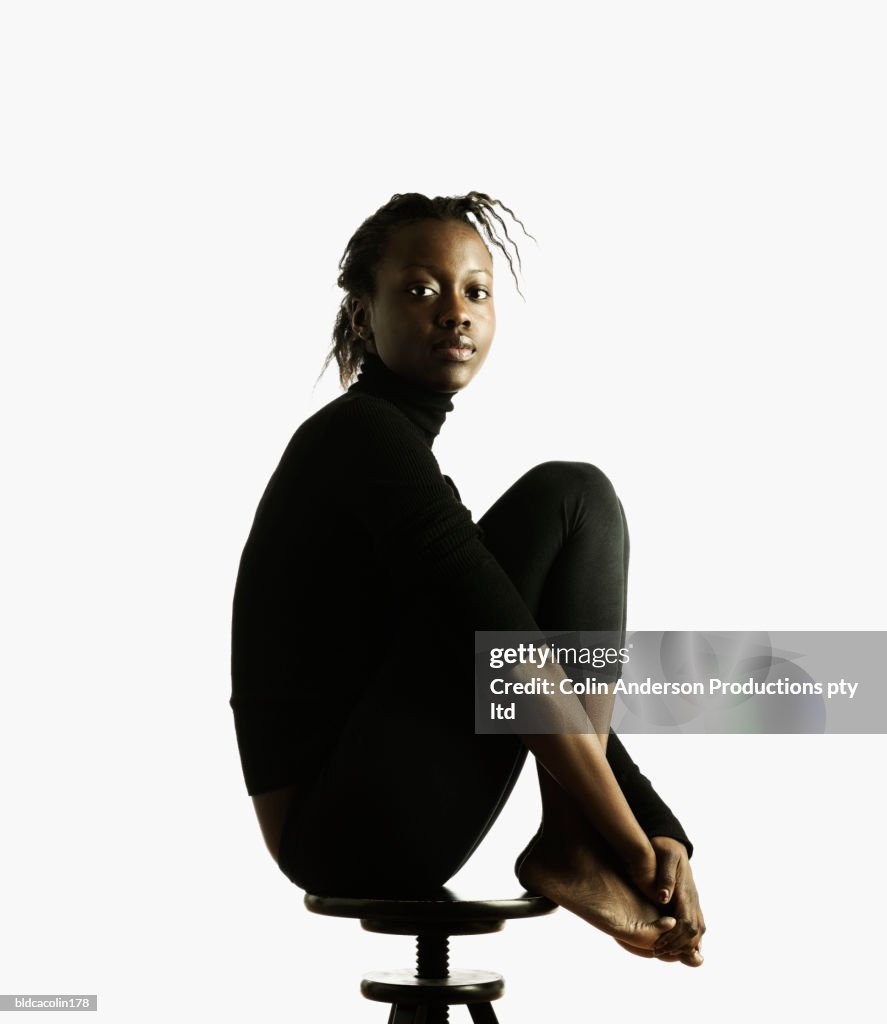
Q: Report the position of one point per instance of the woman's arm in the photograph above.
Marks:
(653, 814)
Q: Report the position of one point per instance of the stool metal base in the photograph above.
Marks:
(401, 1013)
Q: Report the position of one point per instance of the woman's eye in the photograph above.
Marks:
(479, 293)
(421, 290)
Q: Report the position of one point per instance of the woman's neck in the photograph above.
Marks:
(427, 409)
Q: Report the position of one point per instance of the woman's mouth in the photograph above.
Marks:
(455, 350)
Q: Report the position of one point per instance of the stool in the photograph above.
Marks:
(424, 995)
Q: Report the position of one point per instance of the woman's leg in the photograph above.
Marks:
(569, 559)
(407, 793)
(408, 770)
(560, 534)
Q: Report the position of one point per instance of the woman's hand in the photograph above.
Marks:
(642, 865)
(676, 894)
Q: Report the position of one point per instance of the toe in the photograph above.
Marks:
(648, 933)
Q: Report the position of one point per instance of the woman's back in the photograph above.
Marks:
(357, 531)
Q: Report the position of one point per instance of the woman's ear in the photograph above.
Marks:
(362, 323)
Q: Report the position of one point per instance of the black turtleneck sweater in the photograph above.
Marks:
(358, 530)
(357, 524)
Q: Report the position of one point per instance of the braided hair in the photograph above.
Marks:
(366, 248)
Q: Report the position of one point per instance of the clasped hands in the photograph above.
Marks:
(669, 885)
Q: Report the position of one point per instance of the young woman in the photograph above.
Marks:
(360, 587)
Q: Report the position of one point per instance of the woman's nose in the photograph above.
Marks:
(454, 313)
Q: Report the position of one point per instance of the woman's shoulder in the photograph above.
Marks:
(356, 415)
(353, 427)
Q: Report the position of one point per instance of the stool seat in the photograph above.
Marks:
(424, 995)
(443, 911)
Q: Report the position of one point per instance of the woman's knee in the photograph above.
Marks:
(578, 485)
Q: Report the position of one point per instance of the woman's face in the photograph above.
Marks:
(431, 318)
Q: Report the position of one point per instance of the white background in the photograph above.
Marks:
(704, 319)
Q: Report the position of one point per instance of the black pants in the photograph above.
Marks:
(410, 790)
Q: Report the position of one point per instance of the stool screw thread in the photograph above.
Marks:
(432, 956)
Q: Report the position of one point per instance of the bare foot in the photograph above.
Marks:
(582, 879)
(692, 957)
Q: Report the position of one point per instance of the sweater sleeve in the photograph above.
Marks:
(653, 814)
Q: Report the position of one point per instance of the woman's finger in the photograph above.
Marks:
(666, 875)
